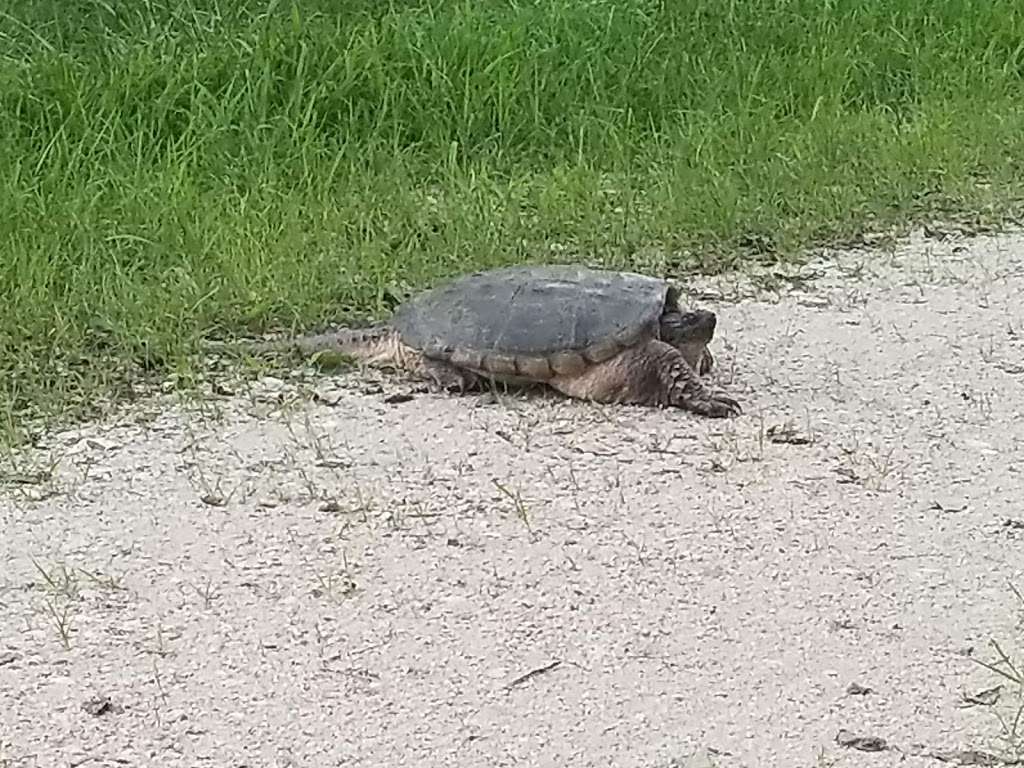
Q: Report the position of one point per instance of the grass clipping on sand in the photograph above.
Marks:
(174, 169)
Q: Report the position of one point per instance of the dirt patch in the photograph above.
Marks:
(368, 578)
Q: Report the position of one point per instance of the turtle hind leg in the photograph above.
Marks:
(443, 376)
(653, 374)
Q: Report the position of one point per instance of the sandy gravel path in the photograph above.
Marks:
(270, 580)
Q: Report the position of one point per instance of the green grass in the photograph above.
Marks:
(170, 170)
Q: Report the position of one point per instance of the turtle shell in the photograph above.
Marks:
(532, 322)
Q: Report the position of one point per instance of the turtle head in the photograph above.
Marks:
(690, 333)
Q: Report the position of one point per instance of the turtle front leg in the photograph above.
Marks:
(653, 374)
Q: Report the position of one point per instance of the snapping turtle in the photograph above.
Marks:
(613, 337)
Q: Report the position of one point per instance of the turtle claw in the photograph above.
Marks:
(716, 406)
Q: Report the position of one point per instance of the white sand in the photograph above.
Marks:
(369, 587)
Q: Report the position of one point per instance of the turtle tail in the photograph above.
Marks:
(351, 342)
